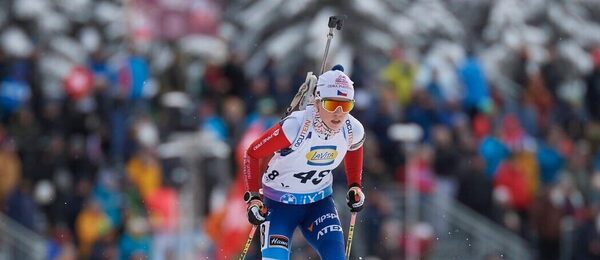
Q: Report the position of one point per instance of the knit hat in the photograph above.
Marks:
(335, 84)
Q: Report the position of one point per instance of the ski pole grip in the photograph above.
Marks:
(336, 21)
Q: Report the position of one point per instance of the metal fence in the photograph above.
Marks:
(472, 236)
(18, 242)
(461, 233)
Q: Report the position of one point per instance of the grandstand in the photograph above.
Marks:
(123, 124)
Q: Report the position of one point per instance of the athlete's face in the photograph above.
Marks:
(334, 120)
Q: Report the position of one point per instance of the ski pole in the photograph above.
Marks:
(350, 234)
(248, 242)
(335, 22)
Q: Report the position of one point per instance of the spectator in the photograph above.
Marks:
(384, 117)
(91, 225)
(105, 247)
(359, 74)
(591, 101)
(235, 81)
(445, 157)
(143, 170)
(513, 179)
(61, 245)
(400, 73)
(269, 73)
(546, 215)
(284, 92)
(259, 89)
(587, 245)
(493, 152)
(377, 213)
(549, 158)
(163, 214)
(527, 162)
(233, 114)
(107, 193)
(519, 71)
(422, 111)
(135, 243)
(11, 167)
(21, 207)
(540, 97)
(474, 189)
(553, 70)
(477, 96)
(593, 88)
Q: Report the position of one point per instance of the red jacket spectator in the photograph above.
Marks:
(513, 178)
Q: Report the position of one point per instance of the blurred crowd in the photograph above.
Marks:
(81, 125)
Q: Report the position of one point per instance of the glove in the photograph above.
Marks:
(257, 211)
(355, 199)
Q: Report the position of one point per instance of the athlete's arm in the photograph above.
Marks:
(269, 142)
(353, 161)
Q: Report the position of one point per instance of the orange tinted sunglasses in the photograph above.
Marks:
(331, 105)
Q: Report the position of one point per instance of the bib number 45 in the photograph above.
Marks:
(310, 176)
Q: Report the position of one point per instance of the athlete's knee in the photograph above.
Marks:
(275, 254)
(331, 249)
